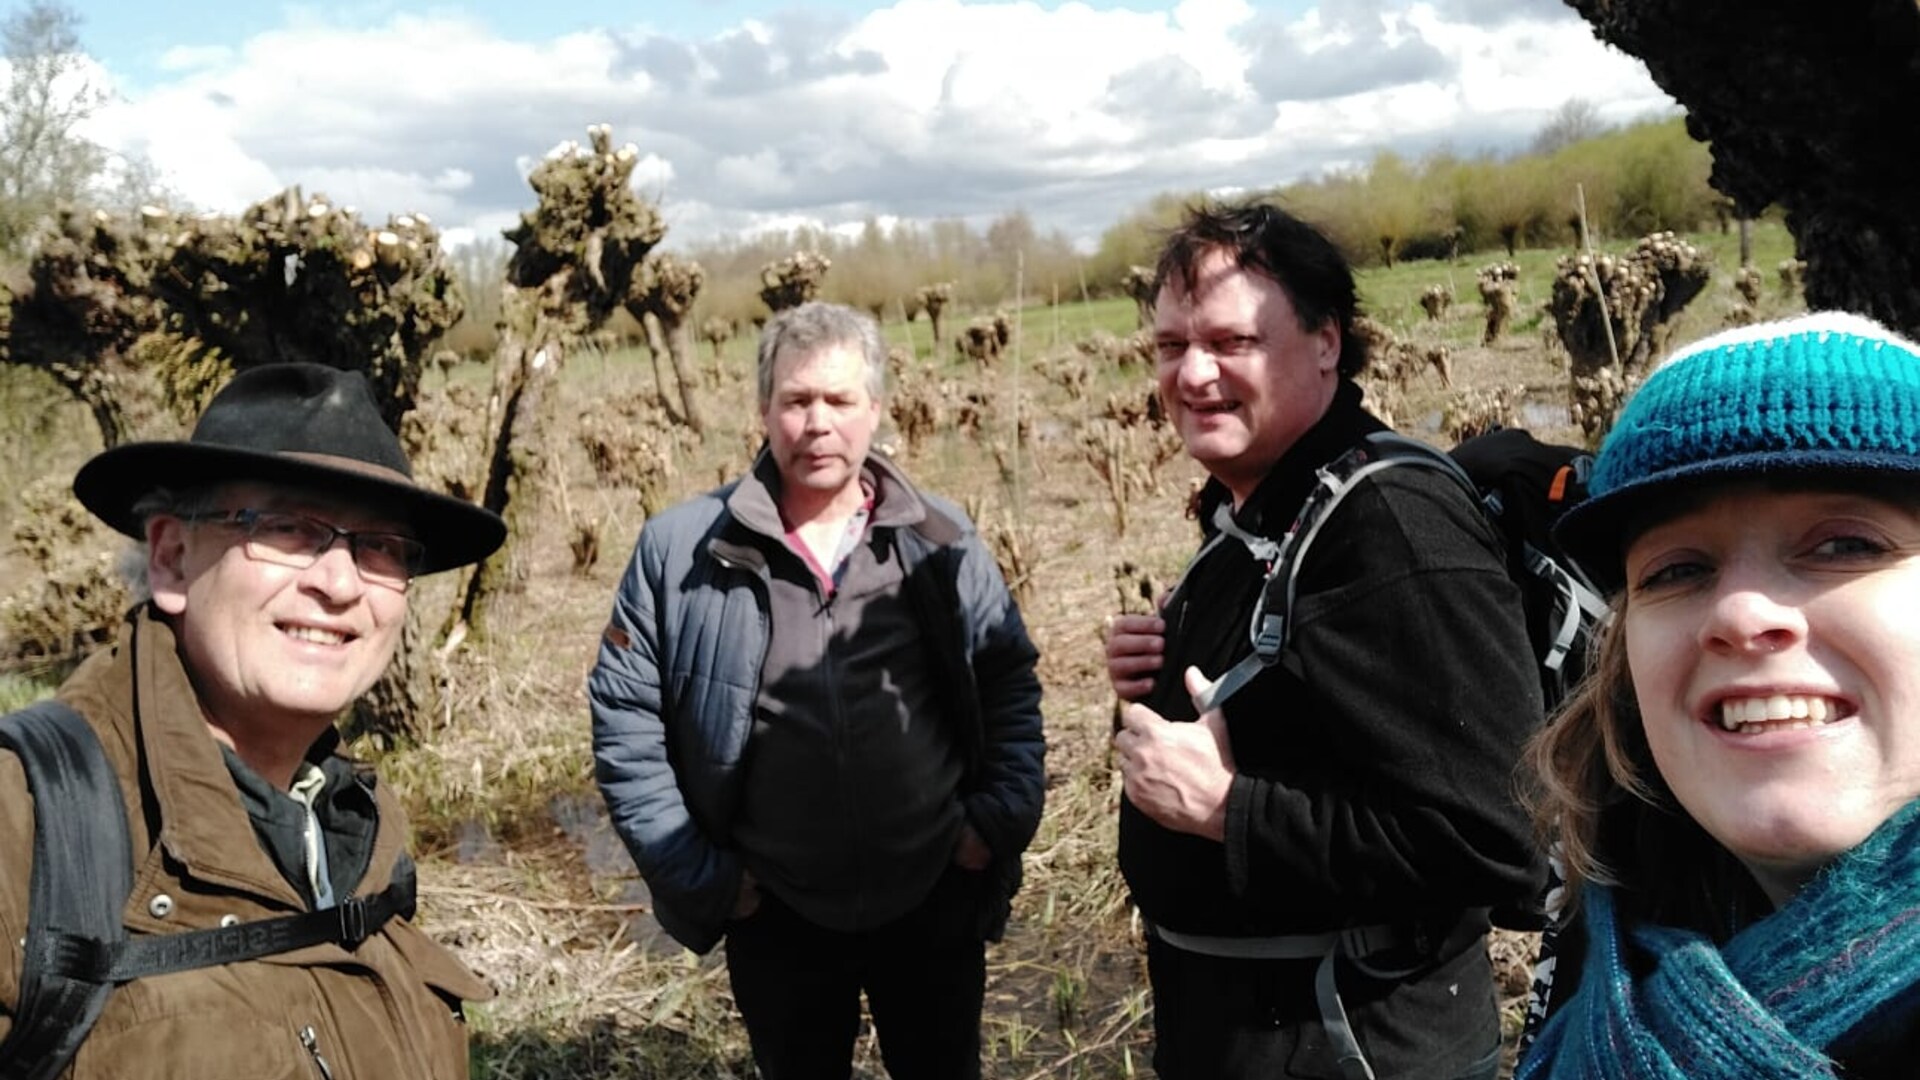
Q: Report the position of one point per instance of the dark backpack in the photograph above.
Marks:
(1522, 484)
(1526, 485)
(76, 951)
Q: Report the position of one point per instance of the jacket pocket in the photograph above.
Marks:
(710, 718)
(205, 1046)
(445, 984)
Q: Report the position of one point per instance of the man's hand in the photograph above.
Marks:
(747, 900)
(1134, 647)
(1177, 774)
(971, 852)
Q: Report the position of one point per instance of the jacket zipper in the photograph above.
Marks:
(850, 798)
(312, 1042)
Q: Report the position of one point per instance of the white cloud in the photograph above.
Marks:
(758, 174)
(652, 173)
(918, 110)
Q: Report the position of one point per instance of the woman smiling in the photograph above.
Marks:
(1735, 788)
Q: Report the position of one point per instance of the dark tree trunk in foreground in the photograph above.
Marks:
(1810, 106)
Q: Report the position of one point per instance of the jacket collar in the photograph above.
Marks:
(754, 501)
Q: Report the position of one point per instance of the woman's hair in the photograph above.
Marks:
(1590, 757)
(1599, 801)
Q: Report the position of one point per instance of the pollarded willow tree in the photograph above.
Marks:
(794, 280)
(576, 255)
(1615, 315)
(663, 293)
(80, 309)
(1810, 107)
(301, 279)
(716, 332)
(934, 298)
(80, 312)
(1138, 284)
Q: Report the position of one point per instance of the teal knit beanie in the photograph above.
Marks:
(1822, 394)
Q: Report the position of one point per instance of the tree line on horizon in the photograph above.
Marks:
(1636, 179)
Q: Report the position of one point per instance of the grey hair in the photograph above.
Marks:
(176, 502)
(817, 325)
(172, 502)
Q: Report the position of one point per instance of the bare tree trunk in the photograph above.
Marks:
(656, 348)
(513, 467)
(91, 387)
(106, 414)
(676, 335)
(392, 709)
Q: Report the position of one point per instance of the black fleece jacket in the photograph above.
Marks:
(1376, 761)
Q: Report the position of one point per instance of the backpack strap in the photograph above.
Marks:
(82, 873)
(76, 950)
(1273, 614)
(1580, 605)
(113, 962)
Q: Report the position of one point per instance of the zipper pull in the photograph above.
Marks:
(312, 1042)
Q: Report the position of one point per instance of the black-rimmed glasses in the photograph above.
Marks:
(298, 541)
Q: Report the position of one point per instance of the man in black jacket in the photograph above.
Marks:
(1315, 859)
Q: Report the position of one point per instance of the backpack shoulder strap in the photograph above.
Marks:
(1391, 447)
(76, 950)
(82, 873)
(1272, 619)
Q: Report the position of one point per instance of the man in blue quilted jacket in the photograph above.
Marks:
(817, 727)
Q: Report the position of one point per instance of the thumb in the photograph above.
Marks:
(1213, 719)
(1195, 680)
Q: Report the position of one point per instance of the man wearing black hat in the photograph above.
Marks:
(280, 543)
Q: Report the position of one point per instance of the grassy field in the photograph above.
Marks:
(518, 869)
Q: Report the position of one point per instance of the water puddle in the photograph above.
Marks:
(582, 819)
(1539, 415)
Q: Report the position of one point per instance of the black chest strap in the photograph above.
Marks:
(76, 950)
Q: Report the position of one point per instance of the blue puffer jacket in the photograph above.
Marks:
(679, 669)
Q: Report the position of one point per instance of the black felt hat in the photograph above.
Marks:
(307, 426)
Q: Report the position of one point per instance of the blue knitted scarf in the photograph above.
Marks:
(1839, 957)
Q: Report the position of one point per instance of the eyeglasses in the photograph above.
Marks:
(298, 541)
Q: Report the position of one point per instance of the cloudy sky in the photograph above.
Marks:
(750, 114)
